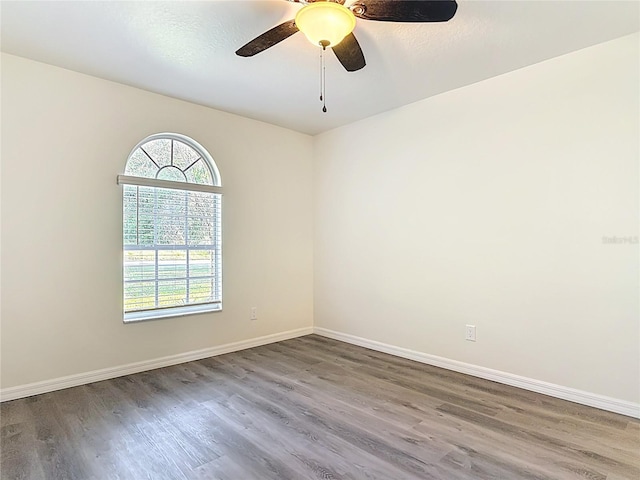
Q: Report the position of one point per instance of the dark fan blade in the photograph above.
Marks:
(349, 53)
(405, 10)
(268, 39)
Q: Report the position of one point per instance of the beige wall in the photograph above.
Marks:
(487, 205)
(65, 137)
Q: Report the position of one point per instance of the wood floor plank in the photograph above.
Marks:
(310, 408)
(569, 450)
(328, 456)
(55, 453)
(297, 398)
(18, 458)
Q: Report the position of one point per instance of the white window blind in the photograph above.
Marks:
(172, 238)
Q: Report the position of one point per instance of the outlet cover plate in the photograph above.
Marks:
(470, 333)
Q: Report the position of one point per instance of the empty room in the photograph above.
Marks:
(361, 239)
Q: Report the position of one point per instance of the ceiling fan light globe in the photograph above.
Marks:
(323, 22)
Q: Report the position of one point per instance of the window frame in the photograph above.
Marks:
(216, 188)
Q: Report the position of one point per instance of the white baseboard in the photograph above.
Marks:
(602, 402)
(46, 386)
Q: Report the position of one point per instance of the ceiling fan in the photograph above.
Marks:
(328, 23)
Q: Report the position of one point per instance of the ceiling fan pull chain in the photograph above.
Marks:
(324, 87)
(323, 79)
(321, 82)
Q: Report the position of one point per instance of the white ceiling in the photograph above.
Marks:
(186, 50)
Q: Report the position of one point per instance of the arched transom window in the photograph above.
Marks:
(172, 229)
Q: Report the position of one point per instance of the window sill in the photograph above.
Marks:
(134, 317)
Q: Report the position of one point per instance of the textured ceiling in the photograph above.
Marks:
(186, 50)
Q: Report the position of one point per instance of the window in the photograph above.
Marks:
(172, 243)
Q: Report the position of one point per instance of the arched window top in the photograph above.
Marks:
(173, 157)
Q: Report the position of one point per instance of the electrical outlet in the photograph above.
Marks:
(470, 333)
(254, 313)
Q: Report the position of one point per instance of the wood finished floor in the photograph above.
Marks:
(310, 408)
